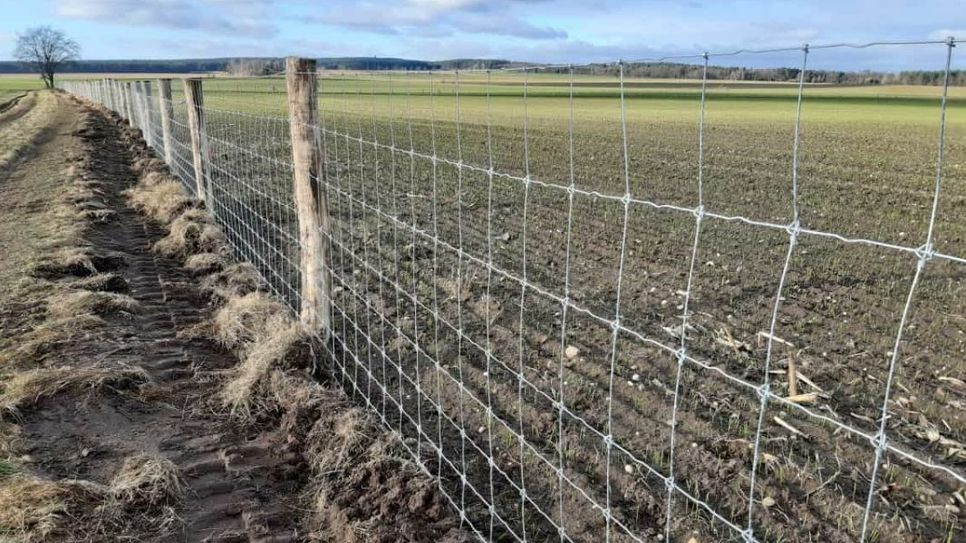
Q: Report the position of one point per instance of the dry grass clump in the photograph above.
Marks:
(162, 201)
(234, 281)
(29, 387)
(77, 261)
(139, 496)
(206, 263)
(68, 261)
(241, 322)
(154, 178)
(338, 440)
(192, 232)
(147, 479)
(85, 302)
(30, 508)
(32, 345)
(101, 282)
(263, 334)
(148, 165)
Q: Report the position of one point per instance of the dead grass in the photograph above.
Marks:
(232, 282)
(28, 387)
(192, 232)
(338, 440)
(147, 479)
(67, 261)
(206, 263)
(79, 261)
(162, 201)
(262, 333)
(149, 166)
(32, 345)
(101, 282)
(139, 497)
(85, 302)
(31, 508)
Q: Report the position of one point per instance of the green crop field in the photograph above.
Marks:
(15, 85)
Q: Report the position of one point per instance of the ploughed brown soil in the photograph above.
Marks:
(242, 480)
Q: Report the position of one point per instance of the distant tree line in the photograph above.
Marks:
(666, 70)
(249, 67)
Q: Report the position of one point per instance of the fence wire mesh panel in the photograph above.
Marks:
(596, 306)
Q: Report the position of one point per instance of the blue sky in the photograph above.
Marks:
(531, 30)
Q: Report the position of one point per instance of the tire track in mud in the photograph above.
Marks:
(242, 484)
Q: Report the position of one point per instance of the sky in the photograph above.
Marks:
(559, 31)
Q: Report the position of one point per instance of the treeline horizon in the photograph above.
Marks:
(273, 66)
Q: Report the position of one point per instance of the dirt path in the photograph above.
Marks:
(241, 485)
(153, 378)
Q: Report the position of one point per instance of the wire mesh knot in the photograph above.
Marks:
(925, 253)
(794, 228)
(748, 535)
(669, 483)
(951, 41)
(764, 392)
(626, 199)
(699, 212)
(609, 440)
(681, 355)
(879, 441)
(615, 324)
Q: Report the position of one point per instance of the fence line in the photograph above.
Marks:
(409, 329)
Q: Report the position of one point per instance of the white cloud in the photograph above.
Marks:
(944, 33)
(244, 18)
(439, 18)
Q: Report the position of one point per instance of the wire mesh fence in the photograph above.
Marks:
(601, 307)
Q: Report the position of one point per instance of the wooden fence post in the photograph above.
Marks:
(137, 110)
(166, 108)
(196, 125)
(118, 99)
(128, 103)
(310, 204)
(148, 126)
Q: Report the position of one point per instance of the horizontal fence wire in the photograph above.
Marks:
(546, 328)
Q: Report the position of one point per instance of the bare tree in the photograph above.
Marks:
(45, 50)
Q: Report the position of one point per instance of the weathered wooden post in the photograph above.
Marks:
(310, 204)
(128, 103)
(148, 121)
(118, 98)
(111, 103)
(136, 104)
(166, 109)
(196, 125)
